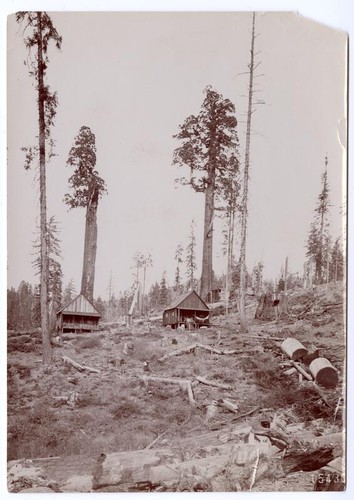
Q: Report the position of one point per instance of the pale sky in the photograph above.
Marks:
(133, 78)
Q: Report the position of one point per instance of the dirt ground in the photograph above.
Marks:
(116, 410)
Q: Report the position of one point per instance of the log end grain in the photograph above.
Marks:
(293, 349)
(324, 373)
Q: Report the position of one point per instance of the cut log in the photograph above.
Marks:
(301, 370)
(165, 466)
(225, 403)
(324, 373)
(215, 350)
(166, 380)
(185, 385)
(315, 455)
(168, 466)
(209, 348)
(178, 352)
(71, 399)
(190, 393)
(293, 349)
(77, 366)
(204, 381)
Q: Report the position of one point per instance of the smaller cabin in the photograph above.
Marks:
(214, 295)
(79, 315)
(187, 309)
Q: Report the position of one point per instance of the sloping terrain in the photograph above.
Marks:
(214, 410)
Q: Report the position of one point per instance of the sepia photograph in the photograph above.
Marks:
(176, 252)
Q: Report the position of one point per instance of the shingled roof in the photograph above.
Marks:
(80, 305)
(188, 300)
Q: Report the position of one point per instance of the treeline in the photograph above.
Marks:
(24, 307)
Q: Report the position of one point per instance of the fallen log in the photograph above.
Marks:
(225, 403)
(256, 408)
(190, 393)
(185, 384)
(167, 467)
(209, 348)
(214, 350)
(178, 352)
(77, 366)
(167, 380)
(314, 455)
(71, 399)
(204, 381)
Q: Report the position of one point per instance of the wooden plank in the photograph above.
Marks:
(301, 370)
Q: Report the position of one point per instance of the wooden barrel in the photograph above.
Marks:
(324, 373)
(293, 348)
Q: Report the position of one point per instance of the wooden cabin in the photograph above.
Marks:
(214, 295)
(187, 309)
(79, 315)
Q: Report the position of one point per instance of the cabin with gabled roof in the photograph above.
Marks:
(187, 309)
(79, 315)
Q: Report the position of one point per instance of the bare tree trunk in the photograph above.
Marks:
(207, 263)
(286, 275)
(47, 348)
(230, 246)
(243, 318)
(88, 269)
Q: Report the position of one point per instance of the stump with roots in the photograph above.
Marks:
(272, 306)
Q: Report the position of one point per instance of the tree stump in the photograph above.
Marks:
(272, 306)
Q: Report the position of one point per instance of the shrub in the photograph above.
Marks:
(126, 408)
(20, 346)
(143, 351)
(23, 370)
(90, 343)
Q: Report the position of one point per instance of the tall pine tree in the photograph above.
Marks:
(38, 32)
(55, 274)
(318, 239)
(179, 261)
